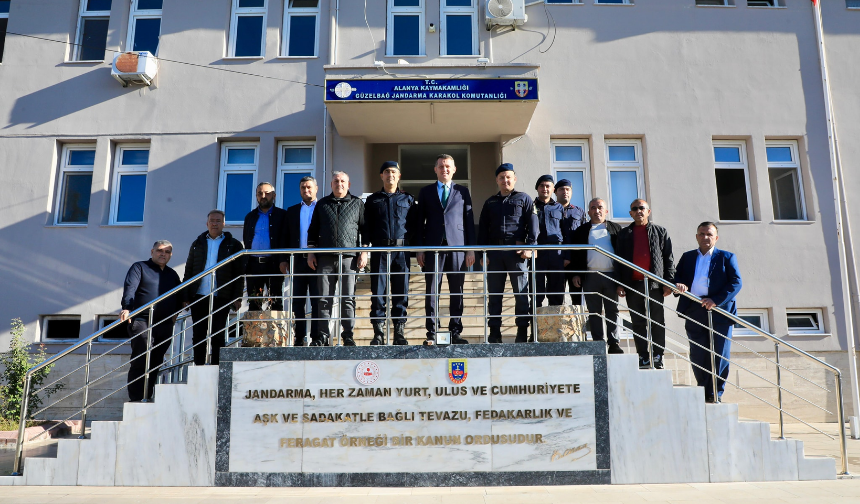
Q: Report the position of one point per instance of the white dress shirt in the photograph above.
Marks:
(212, 245)
(599, 236)
(703, 267)
(307, 211)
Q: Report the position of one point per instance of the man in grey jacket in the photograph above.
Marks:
(338, 222)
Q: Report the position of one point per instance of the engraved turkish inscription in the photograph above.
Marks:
(499, 414)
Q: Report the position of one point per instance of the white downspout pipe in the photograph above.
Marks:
(841, 231)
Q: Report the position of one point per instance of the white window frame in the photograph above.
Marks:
(61, 180)
(237, 169)
(103, 321)
(389, 28)
(466, 182)
(574, 2)
(301, 12)
(776, 4)
(849, 6)
(624, 166)
(43, 329)
(583, 166)
(83, 14)
(725, 3)
(120, 170)
(235, 13)
(284, 167)
(603, 2)
(797, 311)
(133, 15)
(762, 313)
(444, 11)
(795, 164)
(742, 165)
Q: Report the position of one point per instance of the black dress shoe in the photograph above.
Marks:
(495, 335)
(457, 340)
(614, 348)
(317, 342)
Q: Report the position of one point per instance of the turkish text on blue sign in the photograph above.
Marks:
(432, 90)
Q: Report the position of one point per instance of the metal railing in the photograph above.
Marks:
(173, 367)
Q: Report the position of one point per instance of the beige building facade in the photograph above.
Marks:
(710, 112)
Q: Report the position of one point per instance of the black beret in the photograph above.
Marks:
(562, 183)
(504, 167)
(542, 179)
(389, 164)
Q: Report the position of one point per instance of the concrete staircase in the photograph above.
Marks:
(659, 433)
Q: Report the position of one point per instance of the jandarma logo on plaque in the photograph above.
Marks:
(367, 372)
(458, 370)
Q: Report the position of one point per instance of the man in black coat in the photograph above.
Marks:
(338, 222)
(265, 229)
(206, 251)
(648, 246)
(595, 273)
(305, 282)
(387, 217)
(144, 283)
(443, 217)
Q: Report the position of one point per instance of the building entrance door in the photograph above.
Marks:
(417, 162)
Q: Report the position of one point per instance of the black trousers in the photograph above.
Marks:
(399, 286)
(456, 279)
(636, 303)
(199, 314)
(549, 277)
(502, 264)
(574, 291)
(274, 282)
(305, 283)
(162, 335)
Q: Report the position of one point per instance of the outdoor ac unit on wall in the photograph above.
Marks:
(506, 12)
(134, 68)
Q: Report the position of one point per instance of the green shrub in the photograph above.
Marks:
(15, 364)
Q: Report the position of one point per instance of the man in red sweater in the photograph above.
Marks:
(648, 246)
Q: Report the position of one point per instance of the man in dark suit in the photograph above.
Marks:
(303, 279)
(713, 275)
(265, 229)
(443, 217)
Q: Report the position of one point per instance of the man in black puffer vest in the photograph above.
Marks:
(209, 249)
(338, 222)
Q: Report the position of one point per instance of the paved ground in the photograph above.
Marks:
(824, 492)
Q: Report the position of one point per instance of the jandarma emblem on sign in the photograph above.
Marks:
(458, 370)
(367, 372)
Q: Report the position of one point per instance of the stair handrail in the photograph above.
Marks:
(416, 249)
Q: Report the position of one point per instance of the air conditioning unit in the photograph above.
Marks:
(506, 12)
(134, 68)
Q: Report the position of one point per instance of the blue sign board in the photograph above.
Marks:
(373, 90)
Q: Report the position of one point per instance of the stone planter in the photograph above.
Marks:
(561, 323)
(265, 329)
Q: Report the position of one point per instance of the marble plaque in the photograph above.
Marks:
(411, 415)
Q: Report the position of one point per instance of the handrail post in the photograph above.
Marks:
(19, 446)
(86, 390)
(840, 414)
(182, 348)
(209, 319)
(713, 353)
(388, 300)
(340, 281)
(533, 296)
(147, 360)
(779, 390)
(437, 281)
(484, 267)
(289, 307)
(170, 375)
(647, 295)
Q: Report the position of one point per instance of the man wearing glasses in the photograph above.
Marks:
(648, 246)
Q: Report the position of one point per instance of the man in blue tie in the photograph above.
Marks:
(713, 275)
(444, 217)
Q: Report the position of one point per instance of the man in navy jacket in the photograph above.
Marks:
(713, 275)
(443, 217)
(265, 228)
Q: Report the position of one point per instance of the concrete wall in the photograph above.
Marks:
(664, 71)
